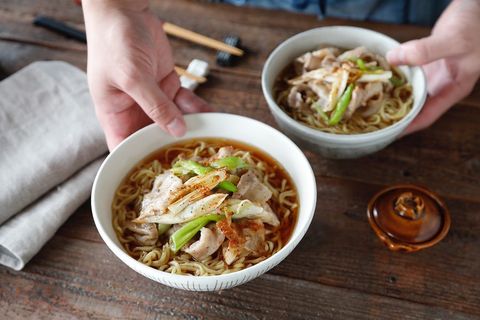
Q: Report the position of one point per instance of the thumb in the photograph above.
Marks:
(155, 103)
(423, 51)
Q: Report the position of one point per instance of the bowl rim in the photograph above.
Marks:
(351, 138)
(249, 273)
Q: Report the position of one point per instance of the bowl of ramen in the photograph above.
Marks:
(209, 211)
(332, 90)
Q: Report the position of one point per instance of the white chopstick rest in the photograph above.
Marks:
(197, 67)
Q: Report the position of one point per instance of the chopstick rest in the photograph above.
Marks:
(198, 68)
(226, 59)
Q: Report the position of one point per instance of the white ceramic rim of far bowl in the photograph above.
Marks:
(370, 36)
(203, 283)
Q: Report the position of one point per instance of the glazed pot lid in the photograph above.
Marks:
(408, 217)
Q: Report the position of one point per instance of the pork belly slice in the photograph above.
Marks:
(251, 188)
(211, 239)
(145, 233)
(370, 96)
(157, 200)
(245, 238)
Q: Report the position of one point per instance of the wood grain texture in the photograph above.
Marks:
(340, 270)
(61, 282)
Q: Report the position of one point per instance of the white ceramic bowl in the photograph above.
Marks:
(149, 139)
(327, 144)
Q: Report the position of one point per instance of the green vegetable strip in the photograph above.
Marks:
(373, 69)
(231, 163)
(376, 69)
(162, 228)
(341, 106)
(227, 185)
(320, 112)
(361, 65)
(185, 166)
(397, 82)
(190, 229)
(352, 58)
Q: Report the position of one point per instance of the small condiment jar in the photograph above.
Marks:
(408, 218)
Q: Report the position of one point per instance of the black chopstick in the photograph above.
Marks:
(61, 28)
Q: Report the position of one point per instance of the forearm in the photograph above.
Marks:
(93, 5)
(98, 9)
(103, 18)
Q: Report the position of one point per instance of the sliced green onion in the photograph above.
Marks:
(321, 113)
(396, 81)
(341, 106)
(190, 229)
(162, 228)
(231, 163)
(352, 58)
(372, 69)
(361, 64)
(375, 69)
(182, 167)
(227, 185)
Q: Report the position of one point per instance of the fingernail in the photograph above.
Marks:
(176, 127)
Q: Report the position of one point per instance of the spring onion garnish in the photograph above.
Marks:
(231, 163)
(396, 81)
(228, 186)
(182, 167)
(162, 228)
(342, 105)
(361, 65)
(190, 229)
(371, 69)
(321, 113)
(375, 69)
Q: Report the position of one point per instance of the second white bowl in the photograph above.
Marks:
(327, 144)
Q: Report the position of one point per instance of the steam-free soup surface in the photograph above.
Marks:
(205, 207)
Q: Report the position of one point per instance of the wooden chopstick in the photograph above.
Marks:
(183, 72)
(169, 28)
(52, 45)
(180, 32)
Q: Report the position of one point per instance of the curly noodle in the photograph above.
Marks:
(129, 195)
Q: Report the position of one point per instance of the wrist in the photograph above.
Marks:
(103, 16)
(93, 6)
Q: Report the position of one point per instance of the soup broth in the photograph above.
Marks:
(149, 243)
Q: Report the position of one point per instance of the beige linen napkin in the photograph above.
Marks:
(49, 145)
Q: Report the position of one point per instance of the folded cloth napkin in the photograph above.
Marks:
(50, 149)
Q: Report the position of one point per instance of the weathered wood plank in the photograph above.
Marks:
(446, 145)
(340, 270)
(64, 282)
(249, 23)
(341, 250)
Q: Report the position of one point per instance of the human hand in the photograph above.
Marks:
(450, 57)
(131, 71)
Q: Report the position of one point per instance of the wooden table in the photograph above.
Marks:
(339, 270)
